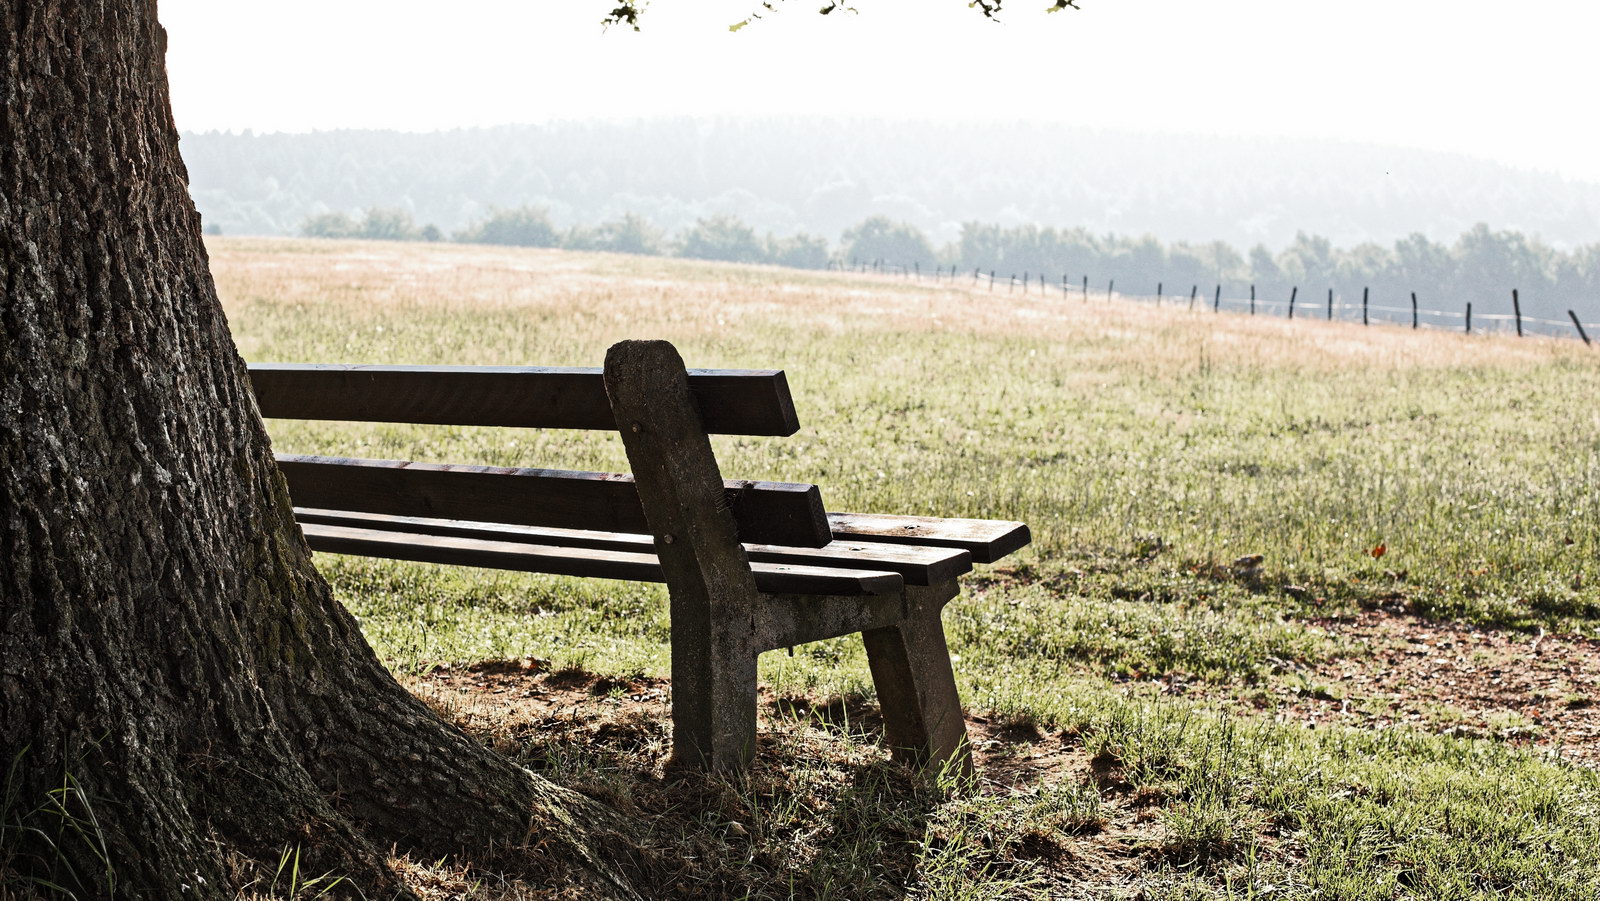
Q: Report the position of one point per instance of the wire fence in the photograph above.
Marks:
(1334, 307)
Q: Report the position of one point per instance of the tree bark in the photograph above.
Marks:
(178, 689)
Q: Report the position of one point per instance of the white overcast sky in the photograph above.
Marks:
(1514, 82)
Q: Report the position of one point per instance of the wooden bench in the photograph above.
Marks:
(749, 566)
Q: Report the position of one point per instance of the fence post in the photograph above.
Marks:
(1413, 309)
(1193, 293)
(919, 270)
(1252, 300)
(1063, 286)
(1581, 333)
(1086, 289)
(1469, 317)
(1293, 293)
(1011, 285)
(1216, 303)
(1364, 320)
(1110, 285)
(1159, 286)
(1516, 309)
(991, 280)
(1330, 304)
(1024, 282)
(976, 274)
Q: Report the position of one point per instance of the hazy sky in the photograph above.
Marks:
(1507, 81)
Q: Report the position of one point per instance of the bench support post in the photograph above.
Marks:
(714, 602)
(922, 721)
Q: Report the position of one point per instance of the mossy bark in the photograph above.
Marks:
(168, 654)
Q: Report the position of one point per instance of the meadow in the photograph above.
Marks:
(1139, 699)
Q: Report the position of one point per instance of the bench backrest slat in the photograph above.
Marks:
(731, 401)
(765, 512)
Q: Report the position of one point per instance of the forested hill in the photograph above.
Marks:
(822, 176)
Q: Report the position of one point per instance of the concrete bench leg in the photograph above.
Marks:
(910, 663)
(713, 704)
(714, 597)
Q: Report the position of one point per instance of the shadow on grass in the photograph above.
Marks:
(821, 813)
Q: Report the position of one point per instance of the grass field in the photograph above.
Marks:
(1131, 680)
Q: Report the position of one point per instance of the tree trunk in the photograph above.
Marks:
(178, 689)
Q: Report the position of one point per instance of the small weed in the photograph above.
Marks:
(290, 884)
(42, 846)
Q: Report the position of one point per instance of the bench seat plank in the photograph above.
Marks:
(987, 540)
(765, 512)
(917, 565)
(731, 401)
(775, 578)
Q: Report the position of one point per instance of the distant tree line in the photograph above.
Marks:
(825, 175)
(720, 237)
(1481, 266)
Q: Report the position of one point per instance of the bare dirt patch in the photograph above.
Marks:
(510, 695)
(620, 730)
(1535, 690)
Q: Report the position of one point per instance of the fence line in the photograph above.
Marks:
(1337, 307)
